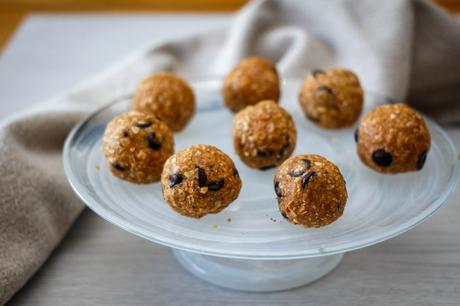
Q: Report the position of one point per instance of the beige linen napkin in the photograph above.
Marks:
(406, 49)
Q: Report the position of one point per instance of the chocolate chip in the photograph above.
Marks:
(299, 172)
(125, 133)
(329, 100)
(306, 178)
(153, 142)
(316, 72)
(202, 177)
(382, 158)
(326, 89)
(203, 180)
(356, 135)
(421, 160)
(312, 118)
(118, 166)
(338, 206)
(283, 151)
(264, 154)
(307, 163)
(235, 172)
(284, 215)
(277, 189)
(143, 124)
(296, 173)
(175, 179)
(215, 186)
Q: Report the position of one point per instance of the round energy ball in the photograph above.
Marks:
(332, 99)
(310, 190)
(200, 180)
(264, 135)
(393, 139)
(168, 97)
(251, 81)
(136, 146)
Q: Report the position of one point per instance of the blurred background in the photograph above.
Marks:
(13, 11)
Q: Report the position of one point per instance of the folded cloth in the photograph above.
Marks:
(408, 50)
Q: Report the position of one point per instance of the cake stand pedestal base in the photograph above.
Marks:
(257, 275)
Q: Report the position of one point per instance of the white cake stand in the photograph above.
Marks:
(249, 246)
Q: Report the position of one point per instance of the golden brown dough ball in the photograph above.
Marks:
(393, 139)
(200, 180)
(136, 146)
(251, 81)
(168, 97)
(264, 135)
(331, 99)
(310, 190)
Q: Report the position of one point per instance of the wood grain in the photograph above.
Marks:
(13, 11)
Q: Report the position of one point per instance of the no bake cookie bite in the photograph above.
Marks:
(168, 97)
(264, 135)
(393, 139)
(200, 180)
(331, 99)
(251, 81)
(136, 146)
(310, 190)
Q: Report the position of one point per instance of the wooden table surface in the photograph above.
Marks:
(13, 11)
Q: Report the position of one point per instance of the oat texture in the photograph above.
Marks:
(393, 138)
(200, 180)
(331, 99)
(136, 146)
(251, 81)
(264, 135)
(310, 190)
(167, 96)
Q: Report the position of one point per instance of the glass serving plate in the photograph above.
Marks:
(249, 245)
